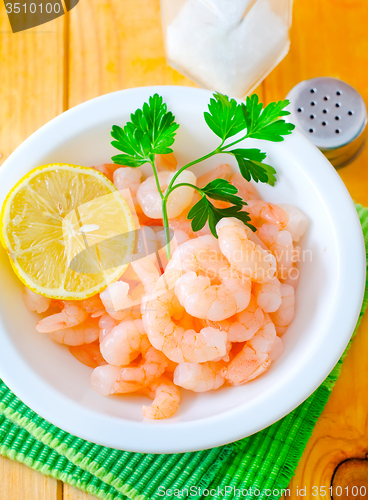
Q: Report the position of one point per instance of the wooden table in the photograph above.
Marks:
(106, 45)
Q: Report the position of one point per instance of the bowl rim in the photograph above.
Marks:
(211, 431)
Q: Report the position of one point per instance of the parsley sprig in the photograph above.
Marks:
(152, 131)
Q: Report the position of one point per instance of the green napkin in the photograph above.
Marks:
(260, 465)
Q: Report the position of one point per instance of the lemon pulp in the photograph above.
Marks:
(67, 230)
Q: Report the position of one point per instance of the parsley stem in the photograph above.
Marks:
(186, 184)
(232, 143)
(166, 228)
(152, 161)
(190, 164)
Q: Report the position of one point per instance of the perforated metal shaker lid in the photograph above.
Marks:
(332, 114)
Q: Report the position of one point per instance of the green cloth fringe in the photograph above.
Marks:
(265, 461)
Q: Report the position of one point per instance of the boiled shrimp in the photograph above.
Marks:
(109, 379)
(268, 294)
(201, 255)
(166, 399)
(88, 354)
(214, 302)
(254, 358)
(125, 342)
(222, 171)
(107, 169)
(150, 199)
(146, 244)
(116, 300)
(174, 341)
(69, 317)
(85, 333)
(280, 243)
(297, 223)
(262, 211)
(129, 178)
(246, 190)
(106, 324)
(285, 313)
(243, 254)
(166, 162)
(35, 302)
(199, 377)
(93, 306)
(177, 237)
(245, 324)
(147, 272)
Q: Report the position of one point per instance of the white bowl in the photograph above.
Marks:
(55, 385)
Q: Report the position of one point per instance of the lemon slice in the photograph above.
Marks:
(67, 230)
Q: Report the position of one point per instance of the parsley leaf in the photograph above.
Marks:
(151, 131)
(251, 165)
(221, 189)
(225, 117)
(266, 124)
(204, 210)
(199, 214)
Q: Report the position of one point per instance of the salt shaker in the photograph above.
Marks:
(332, 114)
(226, 45)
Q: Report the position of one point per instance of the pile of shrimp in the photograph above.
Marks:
(211, 316)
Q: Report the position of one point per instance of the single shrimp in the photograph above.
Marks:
(254, 358)
(106, 324)
(129, 178)
(246, 190)
(35, 302)
(166, 162)
(201, 255)
(245, 324)
(174, 341)
(125, 342)
(214, 302)
(93, 306)
(280, 243)
(222, 171)
(243, 254)
(166, 399)
(268, 294)
(69, 317)
(88, 354)
(147, 272)
(199, 377)
(107, 169)
(116, 300)
(150, 199)
(262, 211)
(297, 223)
(85, 333)
(292, 278)
(109, 379)
(285, 313)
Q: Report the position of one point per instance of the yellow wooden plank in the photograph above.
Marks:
(116, 44)
(70, 493)
(32, 80)
(329, 38)
(31, 93)
(18, 482)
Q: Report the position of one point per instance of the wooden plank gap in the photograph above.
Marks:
(60, 490)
